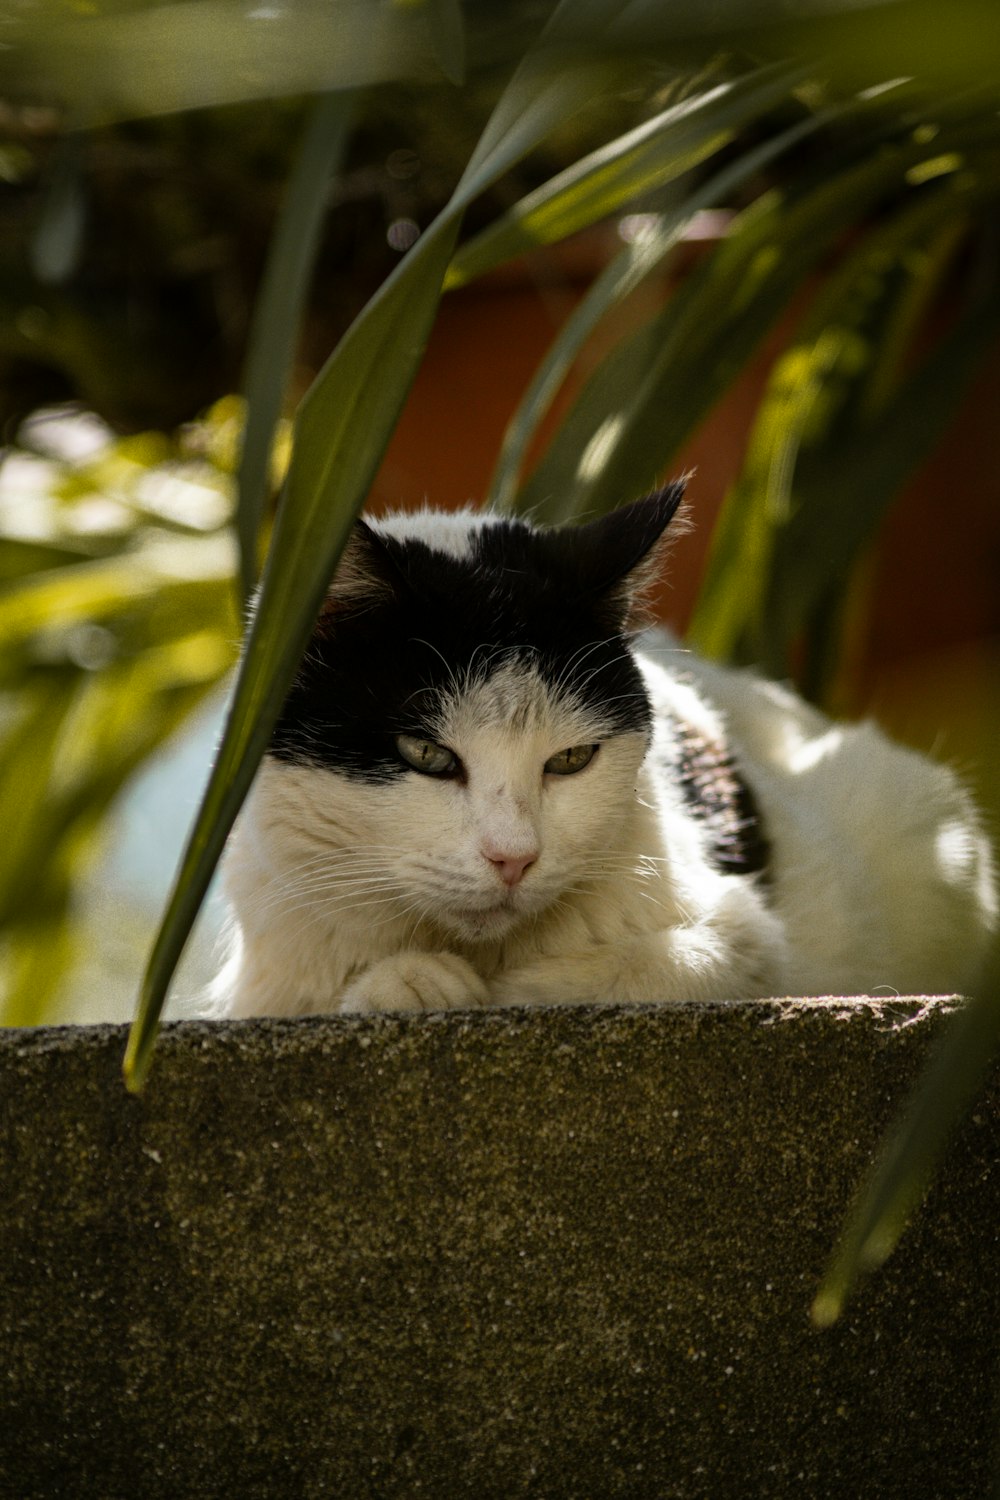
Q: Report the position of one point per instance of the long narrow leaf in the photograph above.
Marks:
(277, 315)
(616, 282)
(158, 58)
(654, 153)
(860, 42)
(99, 592)
(870, 471)
(61, 770)
(21, 557)
(39, 953)
(341, 432)
(648, 395)
(913, 1147)
(447, 27)
(26, 761)
(759, 535)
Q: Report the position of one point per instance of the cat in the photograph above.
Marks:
(482, 791)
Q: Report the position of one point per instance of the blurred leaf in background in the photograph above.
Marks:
(119, 62)
(116, 619)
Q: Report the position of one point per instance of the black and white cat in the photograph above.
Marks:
(480, 792)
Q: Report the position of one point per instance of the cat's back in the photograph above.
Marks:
(878, 861)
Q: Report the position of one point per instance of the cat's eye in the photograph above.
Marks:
(567, 762)
(425, 756)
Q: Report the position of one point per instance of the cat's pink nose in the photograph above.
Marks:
(511, 867)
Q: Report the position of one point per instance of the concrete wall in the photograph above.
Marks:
(563, 1253)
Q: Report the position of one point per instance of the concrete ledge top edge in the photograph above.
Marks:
(884, 1011)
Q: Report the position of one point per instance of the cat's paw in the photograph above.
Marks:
(415, 982)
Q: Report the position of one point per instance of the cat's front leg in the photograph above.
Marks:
(738, 952)
(415, 981)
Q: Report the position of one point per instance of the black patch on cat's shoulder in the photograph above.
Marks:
(705, 770)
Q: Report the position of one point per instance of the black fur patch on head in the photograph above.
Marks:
(381, 664)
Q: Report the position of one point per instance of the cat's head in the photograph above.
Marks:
(468, 722)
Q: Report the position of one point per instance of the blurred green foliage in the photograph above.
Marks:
(116, 618)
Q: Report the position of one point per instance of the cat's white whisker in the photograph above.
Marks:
(289, 899)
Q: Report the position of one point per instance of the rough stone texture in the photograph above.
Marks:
(563, 1253)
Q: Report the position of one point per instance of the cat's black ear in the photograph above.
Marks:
(621, 555)
(366, 575)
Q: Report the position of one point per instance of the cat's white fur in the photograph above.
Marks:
(350, 896)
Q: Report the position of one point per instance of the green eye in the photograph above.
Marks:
(425, 756)
(568, 762)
